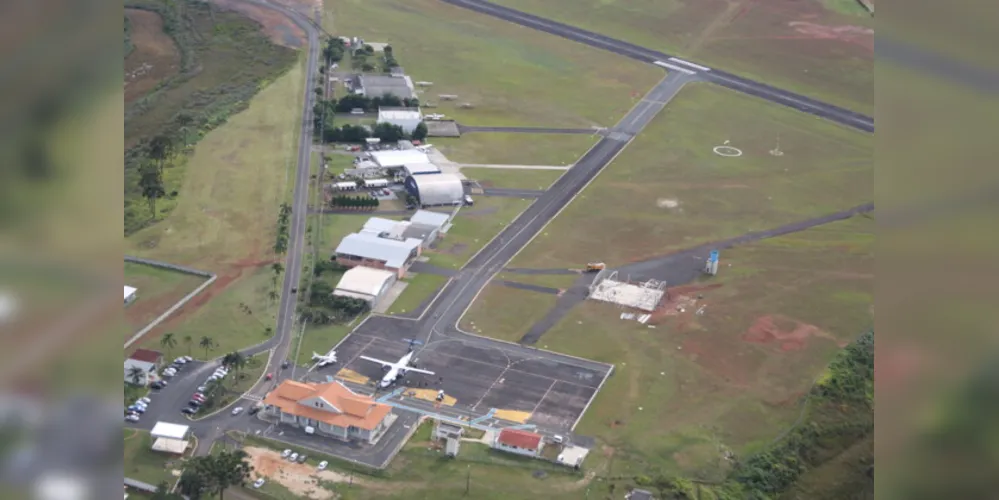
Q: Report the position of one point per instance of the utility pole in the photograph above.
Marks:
(468, 479)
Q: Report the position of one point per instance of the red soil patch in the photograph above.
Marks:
(791, 334)
(154, 58)
(680, 302)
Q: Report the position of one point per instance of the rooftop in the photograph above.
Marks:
(399, 114)
(369, 246)
(520, 439)
(377, 85)
(332, 403)
(421, 168)
(399, 158)
(129, 291)
(170, 431)
(147, 355)
(429, 218)
(364, 280)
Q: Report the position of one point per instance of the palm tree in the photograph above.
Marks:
(273, 295)
(277, 267)
(135, 375)
(169, 342)
(237, 361)
(208, 343)
(189, 341)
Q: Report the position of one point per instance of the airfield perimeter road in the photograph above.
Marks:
(725, 79)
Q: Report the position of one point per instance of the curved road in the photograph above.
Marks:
(723, 78)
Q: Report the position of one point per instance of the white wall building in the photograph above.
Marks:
(407, 118)
(170, 438)
(365, 283)
(130, 294)
(436, 189)
(144, 362)
(519, 442)
(399, 158)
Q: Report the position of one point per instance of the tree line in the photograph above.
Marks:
(361, 202)
(324, 308)
(284, 217)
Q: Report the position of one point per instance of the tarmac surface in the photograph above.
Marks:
(723, 78)
(465, 129)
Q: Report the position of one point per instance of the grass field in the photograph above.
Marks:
(669, 191)
(225, 220)
(697, 386)
(561, 281)
(515, 148)
(418, 290)
(511, 178)
(158, 290)
(512, 75)
(506, 313)
(235, 384)
(819, 50)
(321, 339)
(474, 227)
(144, 464)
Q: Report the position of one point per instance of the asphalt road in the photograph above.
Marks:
(723, 78)
(465, 129)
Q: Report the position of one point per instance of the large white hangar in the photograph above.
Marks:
(436, 189)
(399, 158)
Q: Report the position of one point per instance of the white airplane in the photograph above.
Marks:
(435, 116)
(396, 370)
(328, 359)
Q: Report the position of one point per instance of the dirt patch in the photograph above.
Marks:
(300, 479)
(791, 334)
(681, 302)
(277, 26)
(154, 58)
(846, 33)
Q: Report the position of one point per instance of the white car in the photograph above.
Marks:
(180, 360)
(258, 483)
(237, 410)
(144, 400)
(285, 453)
(293, 457)
(323, 464)
(187, 358)
(132, 418)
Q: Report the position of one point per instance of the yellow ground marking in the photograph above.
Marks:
(352, 376)
(513, 415)
(429, 395)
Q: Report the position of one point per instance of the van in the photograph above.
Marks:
(557, 439)
(310, 430)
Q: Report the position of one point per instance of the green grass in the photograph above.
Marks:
(492, 313)
(321, 339)
(158, 289)
(418, 289)
(515, 148)
(695, 386)
(512, 75)
(144, 464)
(561, 281)
(225, 61)
(512, 178)
(474, 227)
(226, 220)
(759, 43)
(824, 168)
(847, 7)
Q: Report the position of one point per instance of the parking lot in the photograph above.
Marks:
(490, 382)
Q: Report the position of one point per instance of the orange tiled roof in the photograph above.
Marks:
(520, 439)
(355, 410)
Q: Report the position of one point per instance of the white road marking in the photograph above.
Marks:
(688, 63)
(674, 67)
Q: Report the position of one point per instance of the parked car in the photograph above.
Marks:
(285, 453)
(144, 400)
(254, 410)
(469, 201)
(132, 418)
(237, 410)
(194, 403)
(159, 384)
(136, 409)
(190, 410)
(293, 457)
(302, 458)
(285, 364)
(270, 376)
(167, 374)
(258, 483)
(187, 358)
(202, 388)
(322, 465)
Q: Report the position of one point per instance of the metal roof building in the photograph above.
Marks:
(430, 218)
(129, 293)
(420, 168)
(365, 283)
(437, 189)
(400, 86)
(407, 118)
(370, 250)
(399, 158)
(401, 230)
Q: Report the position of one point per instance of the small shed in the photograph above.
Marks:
(170, 438)
(130, 294)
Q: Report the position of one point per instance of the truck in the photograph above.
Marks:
(593, 267)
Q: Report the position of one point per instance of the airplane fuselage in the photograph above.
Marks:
(396, 371)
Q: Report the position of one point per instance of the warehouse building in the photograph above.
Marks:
(400, 86)
(365, 283)
(406, 118)
(435, 190)
(403, 230)
(420, 169)
(398, 159)
(366, 249)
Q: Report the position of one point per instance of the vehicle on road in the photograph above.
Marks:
(132, 418)
(270, 376)
(395, 371)
(285, 364)
(237, 410)
(258, 483)
(159, 384)
(202, 389)
(322, 465)
(593, 267)
(190, 410)
(285, 453)
(254, 409)
(469, 201)
(136, 409)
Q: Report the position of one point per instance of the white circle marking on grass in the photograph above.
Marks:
(727, 151)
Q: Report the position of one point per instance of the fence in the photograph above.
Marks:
(180, 303)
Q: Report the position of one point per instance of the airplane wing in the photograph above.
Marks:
(417, 370)
(373, 360)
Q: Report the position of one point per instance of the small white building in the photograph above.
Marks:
(397, 159)
(170, 438)
(142, 366)
(130, 294)
(519, 441)
(345, 186)
(376, 183)
(407, 118)
(365, 283)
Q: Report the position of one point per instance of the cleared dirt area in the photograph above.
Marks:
(155, 56)
(300, 479)
(825, 51)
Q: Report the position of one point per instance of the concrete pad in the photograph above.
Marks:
(390, 297)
